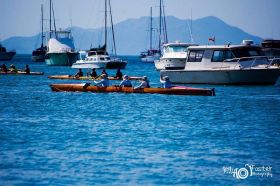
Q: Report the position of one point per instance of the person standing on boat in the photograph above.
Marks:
(144, 83)
(27, 69)
(79, 73)
(119, 74)
(125, 82)
(104, 82)
(166, 82)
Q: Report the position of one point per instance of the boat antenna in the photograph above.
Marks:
(112, 27)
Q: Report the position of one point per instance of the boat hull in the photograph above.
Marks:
(6, 56)
(170, 64)
(61, 59)
(174, 91)
(38, 58)
(83, 64)
(149, 59)
(116, 64)
(90, 78)
(231, 77)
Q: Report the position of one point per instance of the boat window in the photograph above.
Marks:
(102, 58)
(177, 49)
(195, 55)
(222, 55)
(247, 52)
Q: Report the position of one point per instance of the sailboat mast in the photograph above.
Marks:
(50, 18)
(160, 15)
(105, 26)
(42, 26)
(151, 28)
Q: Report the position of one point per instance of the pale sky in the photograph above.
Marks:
(22, 17)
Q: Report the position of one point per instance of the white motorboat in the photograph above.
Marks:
(174, 56)
(99, 57)
(94, 58)
(229, 64)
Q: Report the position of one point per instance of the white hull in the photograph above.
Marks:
(83, 64)
(238, 76)
(170, 63)
(149, 59)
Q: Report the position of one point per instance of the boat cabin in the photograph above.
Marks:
(176, 47)
(225, 56)
(271, 48)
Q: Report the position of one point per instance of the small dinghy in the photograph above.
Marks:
(86, 87)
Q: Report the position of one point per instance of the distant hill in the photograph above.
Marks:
(132, 37)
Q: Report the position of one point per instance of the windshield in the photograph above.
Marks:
(176, 49)
(247, 52)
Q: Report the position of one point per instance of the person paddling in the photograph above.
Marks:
(166, 82)
(4, 68)
(93, 73)
(104, 82)
(27, 69)
(125, 82)
(79, 73)
(119, 74)
(13, 68)
(144, 83)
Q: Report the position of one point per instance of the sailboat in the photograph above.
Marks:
(39, 54)
(151, 54)
(99, 57)
(61, 49)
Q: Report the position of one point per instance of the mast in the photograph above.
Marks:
(50, 18)
(160, 15)
(42, 27)
(164, 25)
(151, 28)
(105, 26)
(112, 27)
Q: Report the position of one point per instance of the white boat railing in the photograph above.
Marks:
(239, 62)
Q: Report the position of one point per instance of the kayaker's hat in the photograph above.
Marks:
(145, 77)
(166, 78)
(12, 65)
(125, 76)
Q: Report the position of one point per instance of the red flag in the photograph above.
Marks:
(211, 39)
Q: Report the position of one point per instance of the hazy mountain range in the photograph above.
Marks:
(132, 35)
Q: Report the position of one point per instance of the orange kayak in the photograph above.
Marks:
(90, 78)
(86, 87)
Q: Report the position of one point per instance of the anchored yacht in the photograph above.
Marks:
(228, 64)
(174, 56)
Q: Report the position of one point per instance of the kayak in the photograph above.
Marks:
(22, 73)
(90, 78)
(86, 87)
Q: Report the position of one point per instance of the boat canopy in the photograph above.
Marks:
(61, 45)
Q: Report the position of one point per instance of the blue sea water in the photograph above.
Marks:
(62, 138)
